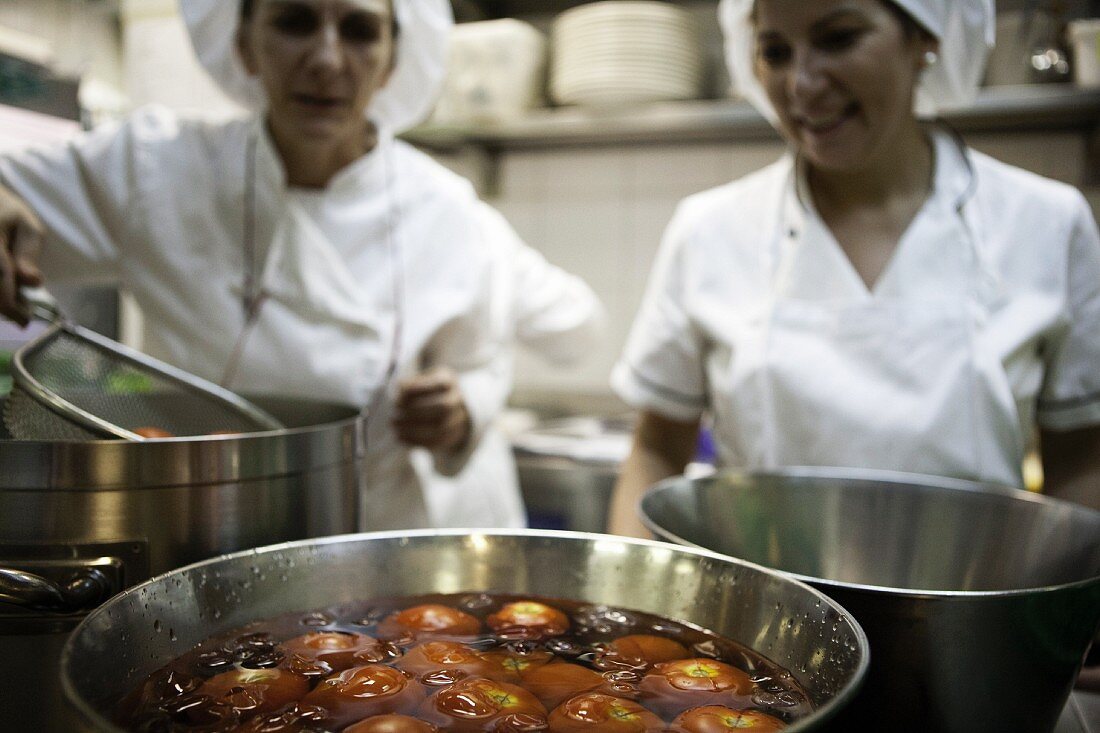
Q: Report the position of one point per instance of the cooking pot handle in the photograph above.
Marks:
(86, 589)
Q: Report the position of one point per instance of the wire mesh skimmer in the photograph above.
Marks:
(73, 384)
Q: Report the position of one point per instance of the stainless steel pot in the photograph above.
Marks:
(567, 470)
(979, 603)
(136, 633)
(113, 513)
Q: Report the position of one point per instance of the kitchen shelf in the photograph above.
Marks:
(1010, 108)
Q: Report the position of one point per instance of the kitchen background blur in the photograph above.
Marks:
(584, 124)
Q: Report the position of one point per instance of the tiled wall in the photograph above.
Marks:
(599, 212)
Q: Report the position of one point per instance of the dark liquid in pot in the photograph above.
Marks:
(484, 671)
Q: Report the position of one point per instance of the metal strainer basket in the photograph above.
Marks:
(73, 384)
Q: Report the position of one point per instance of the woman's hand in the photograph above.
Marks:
(431, 411)
(21, 236)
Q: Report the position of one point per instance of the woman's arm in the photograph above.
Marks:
(1071, 465)
(662, 448)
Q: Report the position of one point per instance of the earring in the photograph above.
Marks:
(930, 58)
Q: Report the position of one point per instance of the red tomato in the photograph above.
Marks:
(453, 656)
(392, 724)
(598, 713)
(152, 432)
(719, 719)
(361, 692)
(537, 618)
(480, 704)
(340, 649)
(255, 691)
(650, 649)
(672, 687)
(291, 719)
(168, 685)
(513, 667)
(556, 682)
(430, 618)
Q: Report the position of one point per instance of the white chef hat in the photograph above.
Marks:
(964, 28)
(405, 101)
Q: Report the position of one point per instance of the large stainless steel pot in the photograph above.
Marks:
(138, 632)
(979, 603)
(103, 516)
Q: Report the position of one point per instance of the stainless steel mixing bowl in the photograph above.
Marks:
(138, 632)
(979, 603)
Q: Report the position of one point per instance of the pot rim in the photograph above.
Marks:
(827, 711)
(935, 482)
(169, 463)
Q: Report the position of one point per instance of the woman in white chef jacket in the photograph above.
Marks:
(882, 297)
(303, 251)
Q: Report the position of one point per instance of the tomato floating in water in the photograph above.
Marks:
(451, 656)
(672, 687)
(649, 648)
(149, 431)
(430, 618)
(595, 712)
(255, 691)
(391, 724)
(361, 692)
(536, 618)
(556, 682)
(512, 666)
(292, 719)
(340, 649)
(479, 704)
(719, 719)
(167, 685)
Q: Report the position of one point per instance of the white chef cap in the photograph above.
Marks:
(964, 28)
(405, 101)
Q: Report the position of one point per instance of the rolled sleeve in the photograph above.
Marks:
(1070, 396)
(662, 366)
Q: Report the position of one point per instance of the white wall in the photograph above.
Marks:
(160, 65)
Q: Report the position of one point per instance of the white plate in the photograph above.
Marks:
(625, 58)
(627, 68)
(644, 85)
(610, 98)
(623, 10)
(653, 47)
(643, 78)
(672, 91)
(640, 35)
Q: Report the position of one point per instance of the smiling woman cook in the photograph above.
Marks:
(883, 296)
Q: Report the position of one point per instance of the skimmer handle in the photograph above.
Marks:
(41, 304)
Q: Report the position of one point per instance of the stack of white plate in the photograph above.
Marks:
(624, 51)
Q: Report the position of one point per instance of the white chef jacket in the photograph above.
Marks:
(986, 319)
(159, 205)
(547, 311)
